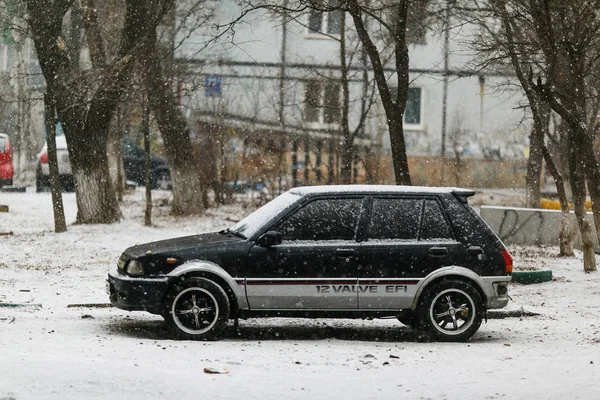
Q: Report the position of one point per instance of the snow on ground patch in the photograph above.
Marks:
(60, 352)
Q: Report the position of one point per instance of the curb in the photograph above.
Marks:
(13, 189)
(529, 277)
(90, 305)
(20, 305)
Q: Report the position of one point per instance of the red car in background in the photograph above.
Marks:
(6, 165)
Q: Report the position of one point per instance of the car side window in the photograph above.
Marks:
(326, 219)
(396, 219)
(434, 225)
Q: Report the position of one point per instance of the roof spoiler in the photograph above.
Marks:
(462, 194)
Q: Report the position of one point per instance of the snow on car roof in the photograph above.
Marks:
(304, 190)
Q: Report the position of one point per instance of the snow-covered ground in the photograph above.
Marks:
(52, 350)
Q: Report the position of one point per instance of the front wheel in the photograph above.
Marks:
(451, 310)
(198, 309)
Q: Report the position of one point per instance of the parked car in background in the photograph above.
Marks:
(42, 175)
(134, 163)
(6, 163)
(419, 254)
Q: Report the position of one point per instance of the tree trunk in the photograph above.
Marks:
(399, 156)
(96, 200)
(534, 163)
(60, 224)
(578, 190)
(566, 234)
(347, 135)
(86, 122)
(394, 108)
(593, 179)
(185, 180)
(147, 164)
(115, 155)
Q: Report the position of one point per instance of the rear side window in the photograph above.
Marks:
(325, 219)
(434, 224)
(468, 226)
(395, 219)
(2, 144)
(408, 219)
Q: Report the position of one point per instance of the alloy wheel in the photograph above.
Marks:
(195, 310)
(452, 311)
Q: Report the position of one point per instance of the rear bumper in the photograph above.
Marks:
(137, 294)
(64, 167)
(496, 291)
(6, 173)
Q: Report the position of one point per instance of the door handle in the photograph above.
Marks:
(438, 251)
(474, 250)
(344, 252)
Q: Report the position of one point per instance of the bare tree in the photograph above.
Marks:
(85, 101)
(60, 224)
(564, 37)
(371, 18)
(566, 234)
(394, 107)
(366, 101)
(187, 191)
(16, 96)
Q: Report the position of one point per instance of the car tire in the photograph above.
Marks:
(450, 310)
(41, 184)
(407, 321)
(198, 309)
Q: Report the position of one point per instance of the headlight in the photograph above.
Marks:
(135, 268)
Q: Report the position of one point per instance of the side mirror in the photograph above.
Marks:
(270, 238)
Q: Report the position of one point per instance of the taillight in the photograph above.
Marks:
(44, 158)
(508, 261)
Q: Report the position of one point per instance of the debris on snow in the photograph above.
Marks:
(211, 370)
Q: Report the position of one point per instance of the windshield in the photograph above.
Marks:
(250, 225)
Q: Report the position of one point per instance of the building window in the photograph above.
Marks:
(322, 102)
(413, 110)
(412, 113)
(327, 22)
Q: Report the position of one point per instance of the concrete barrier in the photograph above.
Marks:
(531, 226)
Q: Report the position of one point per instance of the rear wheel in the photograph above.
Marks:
(407, 319)
(42, 183)
(198, 308)
(451, 310)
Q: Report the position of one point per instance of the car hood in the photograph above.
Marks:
(187, 247)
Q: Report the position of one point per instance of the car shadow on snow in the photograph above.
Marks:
(260, 330)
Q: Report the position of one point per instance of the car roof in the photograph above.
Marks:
(385, 189)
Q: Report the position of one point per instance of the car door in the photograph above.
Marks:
(407, 238)
(315, 265)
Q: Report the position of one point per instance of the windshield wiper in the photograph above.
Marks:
(229, 231)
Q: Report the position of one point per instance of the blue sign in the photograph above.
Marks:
(212, 85)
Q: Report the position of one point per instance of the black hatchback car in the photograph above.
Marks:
(420, 254)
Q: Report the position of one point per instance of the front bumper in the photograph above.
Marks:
(137, 293)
